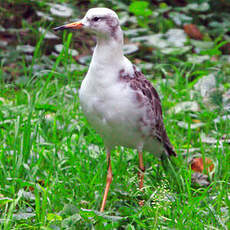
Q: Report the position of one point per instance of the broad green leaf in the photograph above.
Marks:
(140, 8)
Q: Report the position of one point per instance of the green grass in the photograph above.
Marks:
(52, 168)
(53, 164)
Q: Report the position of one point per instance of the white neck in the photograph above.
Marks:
(109, 49)
(107, 61)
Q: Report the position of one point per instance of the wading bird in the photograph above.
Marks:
(117, 99)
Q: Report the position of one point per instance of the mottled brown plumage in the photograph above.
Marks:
(146, 93)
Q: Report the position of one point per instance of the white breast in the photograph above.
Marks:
(109, 106)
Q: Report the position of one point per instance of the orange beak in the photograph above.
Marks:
(73, 25)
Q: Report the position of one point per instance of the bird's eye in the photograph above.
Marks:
(95, 19)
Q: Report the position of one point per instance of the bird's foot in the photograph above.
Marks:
(141, 203)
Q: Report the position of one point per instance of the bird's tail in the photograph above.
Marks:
(169, 150)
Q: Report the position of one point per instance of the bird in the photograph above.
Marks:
(116, 98)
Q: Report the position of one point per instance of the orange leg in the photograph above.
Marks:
(142, 169)
(108, 182)
(141, 174)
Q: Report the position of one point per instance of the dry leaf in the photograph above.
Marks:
(200, 179)
(193, 32)
(198, 165)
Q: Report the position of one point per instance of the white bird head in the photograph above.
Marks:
(102, 21)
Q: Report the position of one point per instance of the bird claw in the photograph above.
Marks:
(141, 203)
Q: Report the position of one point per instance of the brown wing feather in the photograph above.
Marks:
(140, 83)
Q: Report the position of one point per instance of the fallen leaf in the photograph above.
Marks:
(198, 59)
(185, 106)
(25, 48)
(60, 47)
(135, 32)
(47, 34)
(198, 7)
(193, 32)
(201, 45)
(176, 37)
(180, 18)
(3, 43)
(44, 16)
(198, 165)
(208, 140)
(200, 179)
(155, 40)
(205, 84)
(23, 216)
(185, 125)
(95, 214)
(130, 48)
(61, 10)
(176, 50)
